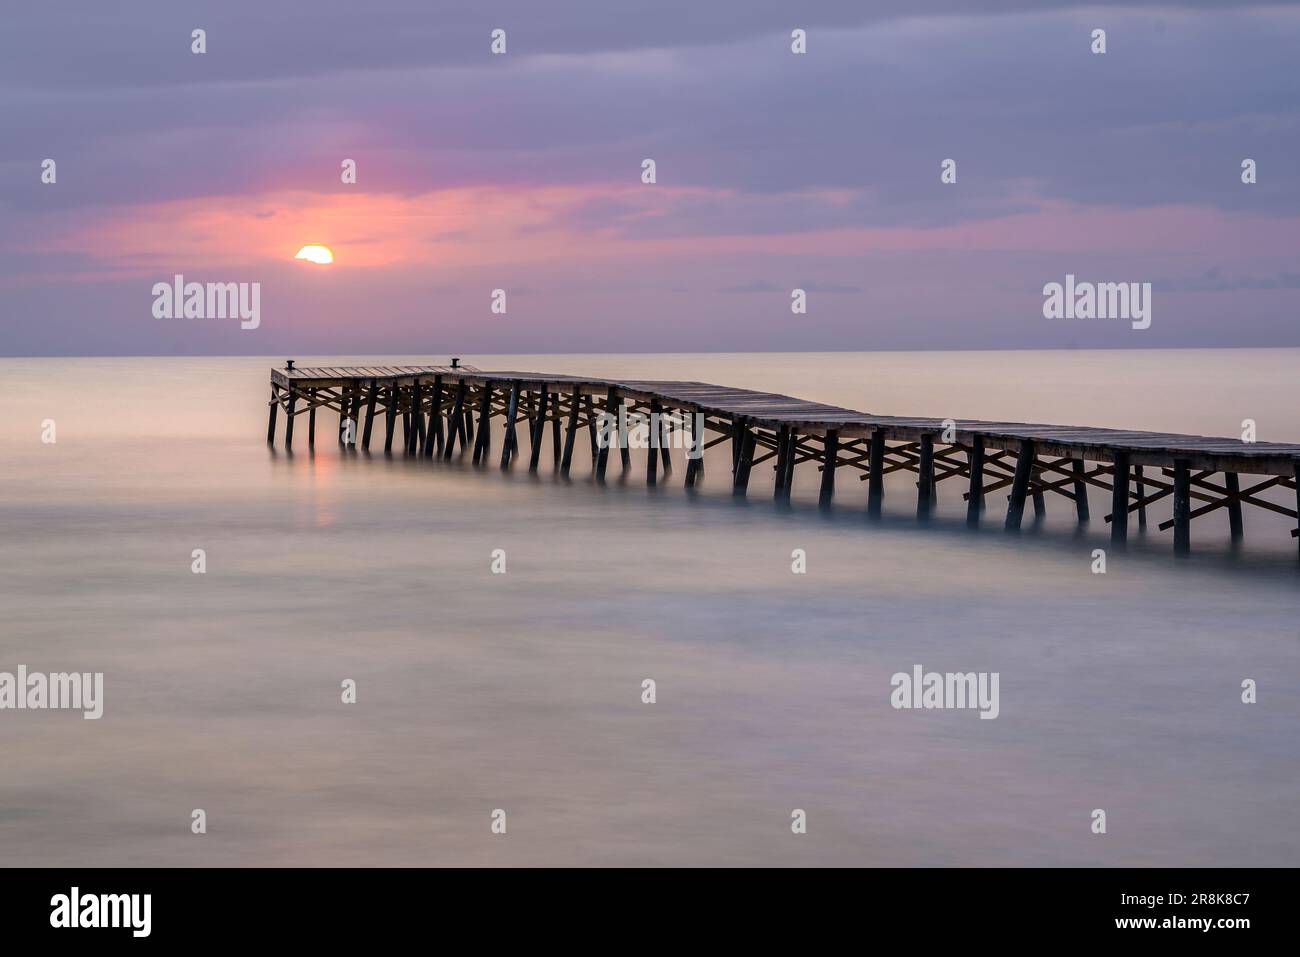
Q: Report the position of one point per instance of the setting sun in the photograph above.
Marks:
(321, 255)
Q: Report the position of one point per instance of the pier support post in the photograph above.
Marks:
(311, 419)
(876, 475)
(371, 395)
(288, 418)
(456, 422)
(539, 432)
(589, 404)
(975, 494)
(571, 433)
(270, 416)
(434, 433)
(417, 418)
(1020, 485)
(1182, 507)
(925, 478)
(1040, 503)
(483, 430)
(744, 458)
(1141, 489)
(1234, 506)
(355, 414)
(511, 440)
(653, 442)
(695, 458)
(609, 430)
(830, 459)
(624, 453)
(1297, 488)
(664, 432)
(782, 462)
(555, 430)
(1119, 500)
(390, 417)
(1079, 467)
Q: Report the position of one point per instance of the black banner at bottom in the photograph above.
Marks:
(140, 906)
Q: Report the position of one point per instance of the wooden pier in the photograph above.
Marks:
(449, 410)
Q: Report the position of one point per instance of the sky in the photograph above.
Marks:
(523, 172)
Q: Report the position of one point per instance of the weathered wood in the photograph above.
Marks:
(270, 418)
(555, 431)
(289, 417)
(371, 395)
(1079, 467)
(624, 452)
(695, 457)
(652, 444)
(434, 437)
(830, 459)
(570, 435)
(511, 439)
(538, 433)
(975, 495)
(744, 457)
(925, 478)
(1020, 486)
(1141, 488)
(608, 429)
(589, 405)
(390, 418)
(876, 475)
(1182, 507)
(1235, 527)
(456, 424)
(1119, 499)
(354, 415)
(483, 429)
(417, 418)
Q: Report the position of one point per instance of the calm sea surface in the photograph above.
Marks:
(523, 691)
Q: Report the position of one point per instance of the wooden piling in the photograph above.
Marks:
(456, 424)
(925, 478)
(1119, 499)
(1020, 485)
(311, 419)
(371, 394)
(1141, 489)
(434, 434)
(289, 417)
(571, 433)
(413, 440)
(483, 428)
(695, 457)
(354, 416)
(1235, 528)
(744, 459)
(782, 462)
(624, 451)
(830, 459)
(390, 418)
(652, 444)
(539, 432)
(1182, 507)
(975, 493)
(511, 439)
(609, 429)
(1079, 468)
(876, 475)
(270, 417)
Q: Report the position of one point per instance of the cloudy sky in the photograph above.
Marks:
(523, 172)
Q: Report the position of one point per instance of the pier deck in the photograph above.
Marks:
(440, 405)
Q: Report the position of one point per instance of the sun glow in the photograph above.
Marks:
(321, 255)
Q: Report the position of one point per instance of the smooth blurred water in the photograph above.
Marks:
(523, 691)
